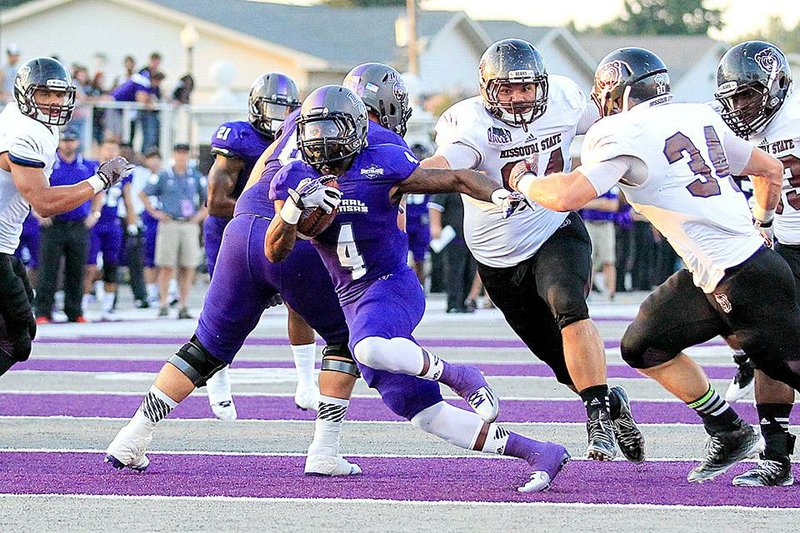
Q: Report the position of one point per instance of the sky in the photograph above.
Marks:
(739, 15)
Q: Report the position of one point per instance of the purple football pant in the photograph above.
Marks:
(390, 308)
(419, 237)
(28, 249)
(149, 232)
(106, 238)
(245, 282)
(213, 227)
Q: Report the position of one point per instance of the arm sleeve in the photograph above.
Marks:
(738, 152)
(606, 174)
(589, 117)
(459, 155)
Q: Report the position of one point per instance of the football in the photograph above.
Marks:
(315, 220)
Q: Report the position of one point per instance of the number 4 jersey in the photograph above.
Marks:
(496, 148)
(781, 139)
(686, 191)
(363, 243)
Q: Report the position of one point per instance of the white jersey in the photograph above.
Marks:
(688, 194)
(30, 143)
(781, 139)
(495, 241)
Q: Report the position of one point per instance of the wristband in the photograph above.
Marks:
(763, 216)
(290, 213)
(524, 183)
(96, 183)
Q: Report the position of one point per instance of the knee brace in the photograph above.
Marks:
(337, 358)
(634, 350)
(110, 273)
(195, 362)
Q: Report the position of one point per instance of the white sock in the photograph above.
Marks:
(99, 289)
(399, 355)
(173, 287)
(218, 386)
(155, 406)
(152, 291)
(330, 415)
(305, 356)
(456, 426)
(85, 302)
(108, 301)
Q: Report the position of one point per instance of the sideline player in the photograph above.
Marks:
(674, 162)
(754, 88)
(365, 253)
(537, 266)
(237, 146)
(44, 98)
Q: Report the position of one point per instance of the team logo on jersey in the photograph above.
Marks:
(767, 60)
(724, 303)
(498, 135)
(372, 171)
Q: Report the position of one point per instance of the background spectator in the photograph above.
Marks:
(599, 216)
(130, 219)
(141, 176)
(28, 249)
(66, 236)
(9, 72)
(181, 193)
(447, 210)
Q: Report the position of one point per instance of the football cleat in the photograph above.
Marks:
(629, 437)
(327, 465)
(767, 473)
(548, 463)
(725, 450)
(127, 450)
(602, 439)
(742, 384)
(109, 316)
(306, 397)
(219, 395)
(472, 386)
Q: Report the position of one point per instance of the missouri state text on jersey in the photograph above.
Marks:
(255, 200)
(781, 139)
(363, 243)
(497, 147)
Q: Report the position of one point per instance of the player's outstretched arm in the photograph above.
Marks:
(558, 192)
(48, 201)
(221, 181)
(437, 180)
(281, 236)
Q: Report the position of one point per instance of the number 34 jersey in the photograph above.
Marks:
(493, 240)
(363, 244)
(688, 194)
(781, 139)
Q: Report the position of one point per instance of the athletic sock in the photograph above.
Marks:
(717, 414)
(152, 292)
(774, 421)
(85, 302)
(330, 415)
(108, 301)
(436, 369)
(492, 438)
(596, 400)
(305, 356)
(156, 405)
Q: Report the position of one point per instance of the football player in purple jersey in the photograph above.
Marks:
(244, 285)
(237, 146)
(365, 252)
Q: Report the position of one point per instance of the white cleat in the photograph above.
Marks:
(127, 450)
(540, 482)
(109, 316)
(327, 465)
(219, 395)
(307, 397)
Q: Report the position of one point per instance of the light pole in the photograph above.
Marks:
(189, 38)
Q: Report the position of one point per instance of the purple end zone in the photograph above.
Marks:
(154, 365)
(369, 409)
(420, 479)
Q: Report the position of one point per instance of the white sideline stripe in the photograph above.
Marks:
(291, 395)
(481, 457)
(411, 503)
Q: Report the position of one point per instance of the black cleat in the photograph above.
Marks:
(767, 473)
(602, 442)
(725, 450)
(629, 437)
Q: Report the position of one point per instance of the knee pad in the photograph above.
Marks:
(195, 362)
(337, 358)
(634, 350)
(367, 351)
(110, 273)
(568, 304)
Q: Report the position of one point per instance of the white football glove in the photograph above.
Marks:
(113, 170)
(767, 232)
(310, 193)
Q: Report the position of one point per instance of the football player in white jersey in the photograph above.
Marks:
(536, 266)
(754, 89)
(44, 99)
(674, 163)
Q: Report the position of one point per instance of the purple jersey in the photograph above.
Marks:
(127, 91)
(242, 141)
(284, 150)
(109, 214)
(363, 244)
(595, 215)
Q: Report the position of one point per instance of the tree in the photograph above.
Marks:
(363, 3)
(664, 17)
(776, 33)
